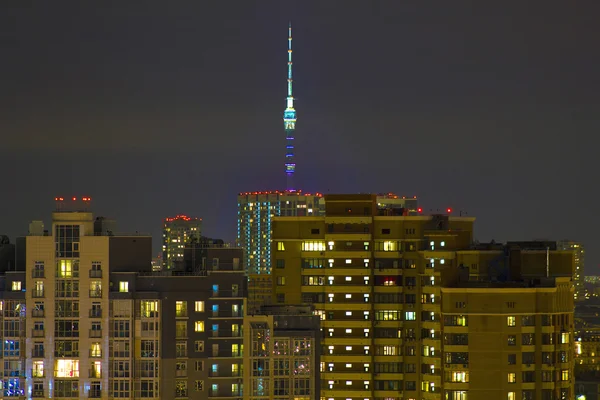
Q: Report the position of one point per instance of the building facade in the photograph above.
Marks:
(87, 317)
(374, 277)
(177, 232)
(283, 354)
(509, 340)
(579, 278)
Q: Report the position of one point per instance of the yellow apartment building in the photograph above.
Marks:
(373, 275)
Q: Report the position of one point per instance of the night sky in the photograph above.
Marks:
(160, 108)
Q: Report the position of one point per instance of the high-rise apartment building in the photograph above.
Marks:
(254, 230)
(503, 340)
(177, 232)
(88, 318)
(374, 276)
(579, 278)
(282, 360)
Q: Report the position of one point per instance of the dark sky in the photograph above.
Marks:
(160, 108)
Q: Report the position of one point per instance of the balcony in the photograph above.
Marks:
(37, 354)
(74, 394)
(228, 374)
(38, 274)
(39, 293)
(181, 373)
(181, 314)
(95, 354)
(96, 274)
(95, 394)
(227, 314)
(222, 393)
(224, 333)
(95, 333)
(226, 294)
(38, 394)
(181, 393)
(95, 374)
(36, 373)
(95, 313)
(37, 333)
(95, 293)
(37, 313)
(227, 354)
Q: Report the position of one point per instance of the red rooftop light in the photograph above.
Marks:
(420, 210)
(449, 210)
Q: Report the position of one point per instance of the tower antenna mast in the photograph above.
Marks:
(289, 122)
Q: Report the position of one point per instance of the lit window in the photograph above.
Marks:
(410, 316)
(348, 313)
(442, 261)
(511, 321)
(199, 326)
(348, 348)
(348, 330)
(512, 396)
(181, 308)
(313, 246)
(348, 365)
(348, 296)
(348, 261)
(348, 383)
(38, 369)
(564, 375)
(389, 246)
(564, 337)
(95, 350)
(123, 286)
(460, 376)
(280, 246)
(348, 278)
(512, 377)
(199, 306)
(16, 286)
(442, 244)
(66, 368)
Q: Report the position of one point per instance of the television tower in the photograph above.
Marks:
(289, 122)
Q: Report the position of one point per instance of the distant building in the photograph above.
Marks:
(255, 211)
(579, 278)
(283, 356)
(177, 232)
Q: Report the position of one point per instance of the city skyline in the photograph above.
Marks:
(429, 108)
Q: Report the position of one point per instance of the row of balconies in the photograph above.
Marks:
(92, 394)
(92, 373)
(94, 313)
(93, 333)
(40, 273)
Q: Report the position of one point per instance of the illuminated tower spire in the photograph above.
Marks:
(289, 121)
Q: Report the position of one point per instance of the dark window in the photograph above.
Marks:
(385, 231)
(315, 231)
(280, 297)
(280, 263)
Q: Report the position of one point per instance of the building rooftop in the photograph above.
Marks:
(282, 192)
(182, 217)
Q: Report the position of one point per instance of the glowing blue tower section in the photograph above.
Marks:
(289, 121)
